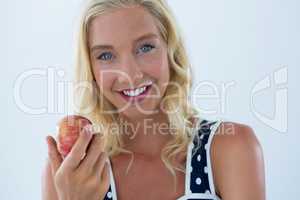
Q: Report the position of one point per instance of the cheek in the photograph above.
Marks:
(104, 79)
(156, 65)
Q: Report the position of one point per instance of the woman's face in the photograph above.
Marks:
(129, 60)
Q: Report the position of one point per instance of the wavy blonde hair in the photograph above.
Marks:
(175, 98)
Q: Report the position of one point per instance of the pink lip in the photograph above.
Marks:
(138, 98)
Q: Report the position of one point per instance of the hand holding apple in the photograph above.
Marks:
(77, 176)
(68, 132)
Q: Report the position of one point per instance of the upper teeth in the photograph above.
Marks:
(135, 92)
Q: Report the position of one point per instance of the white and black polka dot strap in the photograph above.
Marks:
(111, 192)
(200, 166)
(199, 179)
(108, 195)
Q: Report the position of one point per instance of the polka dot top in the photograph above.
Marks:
(198, 178)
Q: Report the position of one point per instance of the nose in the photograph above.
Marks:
(130, 71)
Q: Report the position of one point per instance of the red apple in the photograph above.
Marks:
(68, 131)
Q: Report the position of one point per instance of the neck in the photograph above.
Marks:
(146, 136)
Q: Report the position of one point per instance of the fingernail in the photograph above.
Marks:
(47, 137)
(87, 132)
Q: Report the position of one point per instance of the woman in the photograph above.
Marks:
(132, 59)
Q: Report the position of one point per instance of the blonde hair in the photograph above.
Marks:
(174, 99)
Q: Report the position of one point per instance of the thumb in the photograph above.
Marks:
(54, 156)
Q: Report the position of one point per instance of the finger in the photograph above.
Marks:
(54, 156)
(105, 176)
(100, 163)
(73, 159)
(95, 148)
(105, 173)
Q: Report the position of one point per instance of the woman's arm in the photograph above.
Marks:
(48, 188)
(238, 163)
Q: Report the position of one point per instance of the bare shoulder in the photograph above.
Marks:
(232, 136)
(237, 162)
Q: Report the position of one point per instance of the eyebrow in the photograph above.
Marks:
(106, 46)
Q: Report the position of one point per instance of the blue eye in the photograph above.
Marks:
(105, 56)
(146, 48)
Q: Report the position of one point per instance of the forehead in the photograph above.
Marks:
(121, 23)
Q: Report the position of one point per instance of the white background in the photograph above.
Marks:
(231, 41)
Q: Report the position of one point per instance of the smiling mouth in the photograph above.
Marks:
(136, 95)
